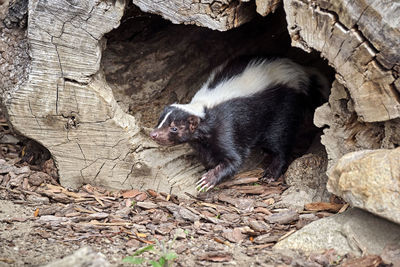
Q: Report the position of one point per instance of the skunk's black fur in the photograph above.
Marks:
(224, 137)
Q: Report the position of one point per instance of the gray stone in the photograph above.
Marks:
(283, 217)
(307, 178)
(296, 197)
(370, 180)
(355, 231)
(84, 257)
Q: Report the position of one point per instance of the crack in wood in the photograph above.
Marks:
(97, 174)
(83, 154)
(30, 109)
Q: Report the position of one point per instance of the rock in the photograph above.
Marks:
(52, 220)
(16, 180)
(98, 216)
(283, 217)
(307, 178)
(178, 233)
(182, 213)
(24, 169)
(5, 168)
(267, 238)
(391, 254)
(369, 179)
(84, 257)
(305, 219)
(147, 205)
(295, 197)
(9, 139)
(355, 231)
(259, 226)
(38, 199)
(234, 235)
(37, 178)
(309, 169)
(164, 228)
(230, 217)
(243, 204)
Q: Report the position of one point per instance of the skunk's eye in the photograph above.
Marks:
(174, 129)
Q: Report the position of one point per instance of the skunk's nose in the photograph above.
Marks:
(153, 135)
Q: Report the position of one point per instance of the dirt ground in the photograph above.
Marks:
(233, 225)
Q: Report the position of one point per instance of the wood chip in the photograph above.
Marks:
(131, 193)
(262, 210)
(147, 205)
(234, 235)
(344, 208)
(7, 260)
(287, 235)
(250, 189)
(366, 261)
(36, 213)
(152, 193)
(84, 210)
(111, 224)
(216, 257)
(240, 181)
(269, 201)
(323, 206)
(283, 217)
(262, 246)
(218, 240)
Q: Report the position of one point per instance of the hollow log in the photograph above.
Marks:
(360, 39)
(65, 104)
(58, 88)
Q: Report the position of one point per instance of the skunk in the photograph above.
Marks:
(245, 103)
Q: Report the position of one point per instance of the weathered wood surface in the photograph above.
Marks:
(360, 39)
(67, 106)
(219, 15)
(346, 133)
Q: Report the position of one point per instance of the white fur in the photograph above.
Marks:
(165, 118)
(259, 75)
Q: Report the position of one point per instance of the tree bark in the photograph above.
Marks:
(66, 105)
(219, 15)
(56, 93)
(360, 39)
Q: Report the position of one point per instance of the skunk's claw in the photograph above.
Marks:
(211, 186)
(203, 187)
(201, 180)
(206, 182)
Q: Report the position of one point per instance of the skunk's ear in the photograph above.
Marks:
(193, 123)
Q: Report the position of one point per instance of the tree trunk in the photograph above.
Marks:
(59, 91)
(360, 39)
(66, 105)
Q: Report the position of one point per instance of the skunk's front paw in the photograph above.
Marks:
(207, 181)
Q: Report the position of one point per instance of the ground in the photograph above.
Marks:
(233, 225)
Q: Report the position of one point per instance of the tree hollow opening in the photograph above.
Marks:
(150, 63)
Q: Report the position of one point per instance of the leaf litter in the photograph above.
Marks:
(235, 224)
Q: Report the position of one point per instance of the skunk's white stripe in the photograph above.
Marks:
(196, 109)
(165, 118)
(259, 75)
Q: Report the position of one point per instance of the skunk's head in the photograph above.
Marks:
(175, 126)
